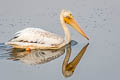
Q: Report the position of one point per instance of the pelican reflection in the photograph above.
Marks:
(35, 57)
(69, 68)
(39, 56)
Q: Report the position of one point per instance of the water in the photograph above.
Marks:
(98, 18)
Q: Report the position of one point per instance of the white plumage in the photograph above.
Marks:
(36, 38)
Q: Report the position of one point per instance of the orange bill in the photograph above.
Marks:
(74, 24)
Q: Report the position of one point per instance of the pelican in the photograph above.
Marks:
(36, 38)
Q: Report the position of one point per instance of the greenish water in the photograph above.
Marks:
(98, 18)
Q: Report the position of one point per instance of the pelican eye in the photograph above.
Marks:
(70, 16)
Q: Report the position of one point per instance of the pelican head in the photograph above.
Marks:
(69, 19)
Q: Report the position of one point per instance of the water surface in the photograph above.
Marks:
(98, 18)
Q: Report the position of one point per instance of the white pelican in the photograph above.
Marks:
(35, 38)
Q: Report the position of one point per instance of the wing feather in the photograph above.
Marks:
(37, 35)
